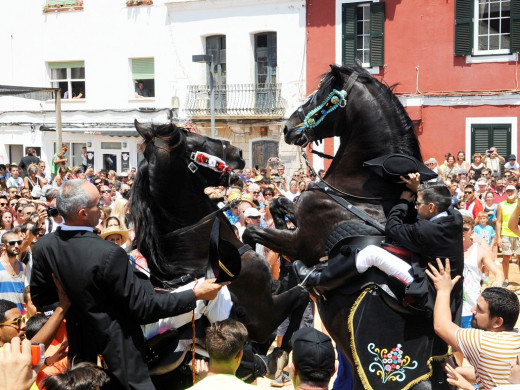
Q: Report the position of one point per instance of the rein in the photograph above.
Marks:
(337, 190)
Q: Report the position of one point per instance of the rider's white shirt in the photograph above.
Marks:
(216, 310)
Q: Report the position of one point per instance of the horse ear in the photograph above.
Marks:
(143, 130)
(334, 70)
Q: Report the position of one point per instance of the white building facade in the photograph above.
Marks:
(98, 51)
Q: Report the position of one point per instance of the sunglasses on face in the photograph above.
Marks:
(3, 204)
(465, 228)
(34, 170)
(105, 191)
(16, 322)
(13, 243)
(468, 192)
(268, 194)
(97, 183)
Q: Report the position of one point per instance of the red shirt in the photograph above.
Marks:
(475, 207)
(497, 198)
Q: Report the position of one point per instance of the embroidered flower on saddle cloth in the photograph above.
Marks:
(390, 365)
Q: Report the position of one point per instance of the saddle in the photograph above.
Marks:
(393, 291)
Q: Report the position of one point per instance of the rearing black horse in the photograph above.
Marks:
(167, 202)
(371, 122)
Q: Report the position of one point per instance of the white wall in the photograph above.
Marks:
(106, 34)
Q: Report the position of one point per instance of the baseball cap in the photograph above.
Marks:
(510, 187)
(512, 157)
(252, 212)
(313, 354)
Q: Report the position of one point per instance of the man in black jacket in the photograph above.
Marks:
(437, 233)
(108, 302)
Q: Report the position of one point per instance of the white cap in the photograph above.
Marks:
(252, 212)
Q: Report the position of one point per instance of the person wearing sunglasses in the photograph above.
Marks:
(106, 196)
(108, 300)
(12, 270)
(473, 205)
(12, 323)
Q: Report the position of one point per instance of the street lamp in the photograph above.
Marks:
(208, 59)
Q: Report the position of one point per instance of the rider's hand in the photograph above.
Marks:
(208, 289)
(409, 196)
(413, 181)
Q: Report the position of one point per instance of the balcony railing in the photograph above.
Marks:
(236, 100)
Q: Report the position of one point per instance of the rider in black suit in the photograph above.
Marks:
(108, 302)
(438, 233)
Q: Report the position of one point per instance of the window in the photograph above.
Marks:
(265, 73)
(262, 151)
(483, 136)
(69, 77)
(483, 132)
(362, 33)
(216, 46)
(143, 76)
(265, 58)
(487, 27)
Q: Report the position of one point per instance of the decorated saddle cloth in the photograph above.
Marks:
(391, 350)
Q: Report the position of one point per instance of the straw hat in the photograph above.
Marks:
(247, 198)
(234, 195)
(115, 230)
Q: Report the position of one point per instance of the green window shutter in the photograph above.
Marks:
(515, 27)
(66, 64)
(463, 27)
(377, 34)
(480, 139)
(501, 138)
(143, 69)
(483, 136)
(349, 33)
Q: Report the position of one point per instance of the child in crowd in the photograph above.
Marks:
(484, 232)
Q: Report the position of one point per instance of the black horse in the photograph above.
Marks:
(371, 122)
(170, 212)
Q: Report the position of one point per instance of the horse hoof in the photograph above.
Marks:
(276, 361)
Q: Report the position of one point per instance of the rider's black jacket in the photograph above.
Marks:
(428, 240)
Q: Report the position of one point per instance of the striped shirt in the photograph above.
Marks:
(489, 353)
(11, 287)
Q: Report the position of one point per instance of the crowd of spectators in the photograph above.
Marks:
(484, 189)
(485, 185)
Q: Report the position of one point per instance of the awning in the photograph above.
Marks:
(110, 133)
(44, 93)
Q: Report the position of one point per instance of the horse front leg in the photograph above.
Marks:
(281, 241)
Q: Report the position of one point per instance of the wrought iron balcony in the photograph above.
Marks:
(236, 100)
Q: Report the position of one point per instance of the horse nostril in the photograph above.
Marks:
(240, 152)
(285, 130)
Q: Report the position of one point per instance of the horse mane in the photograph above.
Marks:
(405, 141)
(148, 239)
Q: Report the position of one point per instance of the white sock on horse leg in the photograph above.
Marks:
(374, 256)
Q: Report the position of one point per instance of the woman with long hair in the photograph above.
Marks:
(477, 165)
(461, 161)
(450, 168)
(6, 220)
(32, 179)
(120, 210)
(61, 177)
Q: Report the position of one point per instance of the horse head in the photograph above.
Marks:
(173, 147)
(174, 158)
(363, 112)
